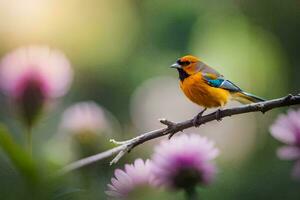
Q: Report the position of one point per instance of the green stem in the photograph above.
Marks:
(29, 140)
(191, 193)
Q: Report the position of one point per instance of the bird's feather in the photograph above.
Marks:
(204, 68)
(250, 97)
(221, 82)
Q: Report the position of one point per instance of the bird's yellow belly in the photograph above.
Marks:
(199, 92)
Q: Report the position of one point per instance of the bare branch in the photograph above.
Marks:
(127, 149)
(89, 160)
(172, 128)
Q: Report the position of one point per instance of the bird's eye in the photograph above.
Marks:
(183, 63)
(179, 62)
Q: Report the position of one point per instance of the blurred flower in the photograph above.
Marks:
(31, 76)
(85, 118)
(184, 161)
(134, 177)
(287, 130)
(84, 130)
(86, 124)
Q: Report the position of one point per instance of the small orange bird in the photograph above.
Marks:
(206, 87)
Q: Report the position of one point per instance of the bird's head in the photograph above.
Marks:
(187, 66)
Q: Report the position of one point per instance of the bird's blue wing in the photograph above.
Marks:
(220, 82)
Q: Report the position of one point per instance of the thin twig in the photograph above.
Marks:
(89, 160)
(172, 128)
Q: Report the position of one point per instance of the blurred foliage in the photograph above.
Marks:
(115, 46)
(21, 160)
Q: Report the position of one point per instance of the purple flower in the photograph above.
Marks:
(287, 130)
(133, 177)
(184, 161)
(31, 76)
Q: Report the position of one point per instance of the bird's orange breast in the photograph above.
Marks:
(199, 92)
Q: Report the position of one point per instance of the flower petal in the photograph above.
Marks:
(188, 154)
(288, 153)
(134, 175)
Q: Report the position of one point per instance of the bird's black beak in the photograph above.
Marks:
(175, 65)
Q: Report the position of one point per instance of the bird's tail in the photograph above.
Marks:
(246, 98)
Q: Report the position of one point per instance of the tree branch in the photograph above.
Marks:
(172, 128)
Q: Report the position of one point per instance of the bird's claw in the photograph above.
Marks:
(288, 97)
(197, 118)
(218, 115)
(195, 121)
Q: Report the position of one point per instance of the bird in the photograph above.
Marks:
(206, 87)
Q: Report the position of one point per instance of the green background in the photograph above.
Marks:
(117, 46)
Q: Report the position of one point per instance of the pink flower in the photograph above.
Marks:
(30, 76)
(134, 176)
(184, 161)
(287, 130)
(85, 117)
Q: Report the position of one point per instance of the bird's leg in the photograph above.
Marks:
(218, 114)
(197, 117)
